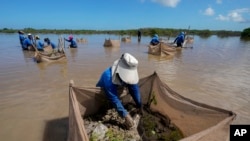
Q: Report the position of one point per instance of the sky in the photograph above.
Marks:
(233, 15)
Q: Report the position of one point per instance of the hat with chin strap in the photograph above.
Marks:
(126, 68)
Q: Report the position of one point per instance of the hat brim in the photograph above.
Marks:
(128, 75)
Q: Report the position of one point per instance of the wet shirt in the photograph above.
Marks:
(52, 44)
(21, 38)
(26, 43)
(39, 45)
(155, 40)
(179, 39)
(111, 89)
(72, 43)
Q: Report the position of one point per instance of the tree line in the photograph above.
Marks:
(133, 32)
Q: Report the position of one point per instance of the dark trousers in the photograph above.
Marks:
(179, 45)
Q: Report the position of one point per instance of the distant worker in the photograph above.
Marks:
(21, 37)
(48, 42)
(122, 74)
(155, 40)
(39, 44)
(139, 35)
(73, 43)
(180, 39)
(28, 43)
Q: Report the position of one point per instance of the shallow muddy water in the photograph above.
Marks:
(215, 71)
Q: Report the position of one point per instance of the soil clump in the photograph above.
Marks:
(107, 125)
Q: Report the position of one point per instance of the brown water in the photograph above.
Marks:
(216, 71)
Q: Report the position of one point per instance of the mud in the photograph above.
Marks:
(152, 126)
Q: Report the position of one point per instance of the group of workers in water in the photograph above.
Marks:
(122, 73)
(179, 40)
(31, 42)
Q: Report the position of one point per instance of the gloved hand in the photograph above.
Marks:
(129, 123)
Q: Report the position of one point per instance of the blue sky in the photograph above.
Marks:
(125, 14)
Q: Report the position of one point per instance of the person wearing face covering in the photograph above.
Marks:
(73, 43)
(123, 73)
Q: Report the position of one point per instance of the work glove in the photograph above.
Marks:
(129, 123)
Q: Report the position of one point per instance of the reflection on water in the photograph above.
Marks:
(34, 96)
(159, 58)
(73, 53)
(28, 55)
(111, 50)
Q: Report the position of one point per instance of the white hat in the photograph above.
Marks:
(37, 37)
(126, 67)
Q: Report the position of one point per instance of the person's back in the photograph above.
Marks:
(123, 73)
(179, 39)
(39, 44)
(155, 40)
(73, 44)
(53, 45)
(27, 43)
(47, 40)
(21, 37)
(139, 35)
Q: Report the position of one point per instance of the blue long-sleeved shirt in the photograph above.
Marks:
(73, 43)
(39, 45)
(21, 38)
(52, 44)
(110, 89)
(154, 40)
(179, 39)
(26, 43)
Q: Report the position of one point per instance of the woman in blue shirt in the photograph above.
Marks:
(73, 43)
(123, 73)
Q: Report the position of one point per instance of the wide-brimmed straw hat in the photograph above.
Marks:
(126, 67)
(20, 32)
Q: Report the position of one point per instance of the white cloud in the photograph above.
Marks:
(222, 18)
(168, 3)
(235, 15)
(242, 10)
(209, 11)
(219, 1)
